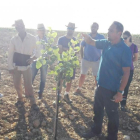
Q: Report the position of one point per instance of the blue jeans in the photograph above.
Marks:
(43, 74)
(103, 100)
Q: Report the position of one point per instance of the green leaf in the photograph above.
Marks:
(69, 44)
(73, 42)
(38, 42)
(48, 35)
(44, 62)
(42, 51)
(77, 49)
(54, 34)
(50, 29)
(38, 64)
(78, 35)
(51, 40)
(54, 88)
(52, 72)
(77, 62)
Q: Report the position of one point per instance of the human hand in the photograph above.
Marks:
(118, 97)
(29, 61)
(87, 39)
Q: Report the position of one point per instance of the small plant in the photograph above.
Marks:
(66, 63)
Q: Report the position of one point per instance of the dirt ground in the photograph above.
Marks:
(74, 119)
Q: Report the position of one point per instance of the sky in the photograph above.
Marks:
(58, 13)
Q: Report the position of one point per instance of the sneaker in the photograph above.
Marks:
(123, 108)
(67, 99)
(89, 135)
(19, 104)
(1, 95)
(78, 91)
(34, 107)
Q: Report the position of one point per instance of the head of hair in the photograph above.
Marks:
(128, 34)
(95, 23)
(119, 26)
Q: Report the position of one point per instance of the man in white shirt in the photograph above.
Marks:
(19, 59)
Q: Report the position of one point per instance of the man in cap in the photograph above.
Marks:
(19, 59)
(63, 46)
(90, 57)
(112, 77)
(43, 70)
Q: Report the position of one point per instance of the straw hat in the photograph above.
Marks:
(18, 22)
(71, 25)
(41, 26)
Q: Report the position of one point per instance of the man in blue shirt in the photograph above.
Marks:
(90, 57)
(112, 78)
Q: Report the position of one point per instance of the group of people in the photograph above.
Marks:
(111, 61)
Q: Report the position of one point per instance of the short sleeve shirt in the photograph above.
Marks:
(134, 49)
(91, 53)
(113, 59)
(64, 41)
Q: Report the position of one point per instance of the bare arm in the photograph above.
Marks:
(10, 57)
(82, 52)
(135, 57)
(61, 49)
(126, 71)
(118, 96)
(89, 40)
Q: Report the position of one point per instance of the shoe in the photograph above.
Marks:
(123, 108)
(1, 95)
(89, 135)
(78, 91)
(60, 98)
(67, 99)
(34, 107)
(113, 137)
(19, 104)
(39, 96)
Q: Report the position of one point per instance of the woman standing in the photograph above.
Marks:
(134, 49)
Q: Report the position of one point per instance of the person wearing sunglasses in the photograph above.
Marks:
(134, 49)
(90, 57)
(112, 78)
(63, 46)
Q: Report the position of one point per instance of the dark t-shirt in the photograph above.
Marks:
(63, 41)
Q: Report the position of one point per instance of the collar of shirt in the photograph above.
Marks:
(26, 37)
(119, 44)
(95, 36)
(44, 38)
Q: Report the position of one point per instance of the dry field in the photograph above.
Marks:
(74, 119)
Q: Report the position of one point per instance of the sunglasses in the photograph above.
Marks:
(69, 28)
(125, 38)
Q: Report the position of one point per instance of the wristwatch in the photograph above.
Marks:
(122, 92)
